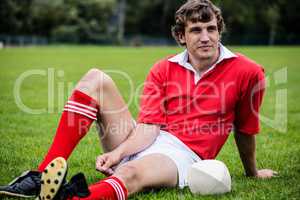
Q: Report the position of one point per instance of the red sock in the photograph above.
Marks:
(78, 115)
(110, 188)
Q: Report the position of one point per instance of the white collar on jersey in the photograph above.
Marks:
(182, 60)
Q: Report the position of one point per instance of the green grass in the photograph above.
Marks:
(24, 138)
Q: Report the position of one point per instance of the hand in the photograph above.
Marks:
(106, 161)
(266, 173)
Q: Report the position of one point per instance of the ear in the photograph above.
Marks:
(181, 38)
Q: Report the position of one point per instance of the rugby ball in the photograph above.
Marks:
(209, 177)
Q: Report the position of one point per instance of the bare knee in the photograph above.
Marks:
(98, 78)
(131, 177)
(94, 82)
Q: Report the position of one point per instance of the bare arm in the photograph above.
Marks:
(246, 145)
(139, 139)
(142, 136)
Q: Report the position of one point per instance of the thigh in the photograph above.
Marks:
(169, 146)
(115, 121)
(154, 170)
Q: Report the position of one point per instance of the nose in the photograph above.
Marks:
(204, 38)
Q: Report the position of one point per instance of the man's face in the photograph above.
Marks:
(202, 39)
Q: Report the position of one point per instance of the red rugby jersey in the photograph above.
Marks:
(202, 113)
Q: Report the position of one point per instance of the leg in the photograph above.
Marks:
(94, 97)
(135, 176)
(115, 121)
(142, 173)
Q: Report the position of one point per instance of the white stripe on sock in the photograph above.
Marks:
(81, 109)
(120, 187)
(76, 111)
(82, 105)
(117, 188)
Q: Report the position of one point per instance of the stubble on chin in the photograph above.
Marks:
(205, 55)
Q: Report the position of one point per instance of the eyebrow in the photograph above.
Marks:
(212, 27)
(197, 28)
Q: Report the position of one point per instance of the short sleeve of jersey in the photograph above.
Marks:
(248, 106)
(152, 98)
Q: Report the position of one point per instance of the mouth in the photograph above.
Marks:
(205, 47)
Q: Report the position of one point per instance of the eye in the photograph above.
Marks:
(212, 28)
(195, 30)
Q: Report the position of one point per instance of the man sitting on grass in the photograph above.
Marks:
(190, 104)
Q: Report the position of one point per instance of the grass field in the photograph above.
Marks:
(25, 137)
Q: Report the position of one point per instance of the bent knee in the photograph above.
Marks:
(95, 80)
(131, 177)
(94, 72)
(128, 172)
(98, 76)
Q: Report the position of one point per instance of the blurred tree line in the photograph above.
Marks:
(116, 21)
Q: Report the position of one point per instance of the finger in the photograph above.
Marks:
(106, 165)
(99, 162)
(101, 169)
(99, 158)
(103, 166)
(98, 166)
(110, 171)
(102, 159)
(275, 173)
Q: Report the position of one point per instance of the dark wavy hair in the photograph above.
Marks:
(196, 11)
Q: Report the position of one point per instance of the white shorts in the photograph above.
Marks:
(172, 147)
